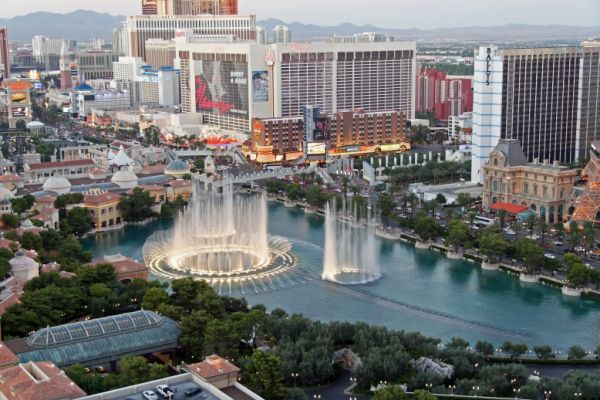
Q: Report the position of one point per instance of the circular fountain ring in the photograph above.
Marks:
(352, 276)
(173, 264)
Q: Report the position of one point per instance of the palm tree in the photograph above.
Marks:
(502, 214)
(471, 217)
(543, 227)
(531, 222)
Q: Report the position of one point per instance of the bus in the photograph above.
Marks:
(483, 221)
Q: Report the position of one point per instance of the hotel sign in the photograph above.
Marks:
(488, 69)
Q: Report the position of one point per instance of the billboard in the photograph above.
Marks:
(260, 86)
(321, 131)
(19, 112)
(316, 149)
(221, 87)
(19, 92)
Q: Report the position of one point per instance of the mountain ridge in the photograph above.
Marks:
(86, 25)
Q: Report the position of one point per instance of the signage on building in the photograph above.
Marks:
(260, 86)
(488, 68)
(316, 149)
(270, 58)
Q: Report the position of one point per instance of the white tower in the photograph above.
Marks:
(487, 107)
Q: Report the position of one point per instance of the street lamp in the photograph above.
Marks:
(294, 377)
(517, 391)
(452, 388)
(475, 389)
(578, 394)
(316, 396)
(547, 394)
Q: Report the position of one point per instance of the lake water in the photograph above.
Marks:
(421, 290)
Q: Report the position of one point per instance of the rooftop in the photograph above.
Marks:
(99, 341)
(98, 198)
(61, 164)
(37, 381)
(212, 366)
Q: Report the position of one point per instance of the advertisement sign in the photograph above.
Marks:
(222, 87)
(316, 149)
(260, 86)
(321, 131)
(18, 112)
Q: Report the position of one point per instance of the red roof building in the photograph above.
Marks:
(37, 381)
(215, 370)
(512, 209)
(125, 268)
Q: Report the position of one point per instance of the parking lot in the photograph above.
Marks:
(179, 389)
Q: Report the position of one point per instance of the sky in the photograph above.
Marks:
(384, 13)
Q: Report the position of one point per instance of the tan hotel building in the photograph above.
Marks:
(231, 84)
(543, 187)
(347, 128)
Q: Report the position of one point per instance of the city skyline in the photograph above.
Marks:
(333, 12)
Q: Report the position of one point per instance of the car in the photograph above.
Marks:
(100, 369)
(165, 391)
(558, 243)
(149, 395)
(509, 231)
(550, 256)
(579, 249)
(193, 391)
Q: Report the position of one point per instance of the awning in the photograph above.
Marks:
(513, 209)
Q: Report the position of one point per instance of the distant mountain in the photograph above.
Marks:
(85, 25)
(77, 25)
(302, 31)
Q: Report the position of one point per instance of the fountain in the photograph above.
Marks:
(220, 238)
(351, 256)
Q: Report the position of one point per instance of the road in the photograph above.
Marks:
(335, 391)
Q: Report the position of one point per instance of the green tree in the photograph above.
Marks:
(153, 298)
(485, 348)
(458, 235)
(221, 337)
(22, 204)
(578, 275)
(136, 206)
(425, 227)
(386, 206)
(441, 199)
(532, 254)
(514, 350)
(295, 394)
(493, 246)
(78, 222)
(135, 370)
(424, 395)
(576, 353)
(502, 214)
(543, 352)
(390, 393)
(265, 376)
(10, 220)
(531, 222)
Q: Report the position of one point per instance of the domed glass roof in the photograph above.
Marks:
(5, 194)
(178, 165)
(22, 262)
(56, 182)
(124, 175)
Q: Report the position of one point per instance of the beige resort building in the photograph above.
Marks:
(542, 187)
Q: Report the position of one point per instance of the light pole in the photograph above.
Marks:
(294, 377)
(316, 396)
(517, 391)
(547, 394)
(452, 388)
(475, 389)
(578, 394)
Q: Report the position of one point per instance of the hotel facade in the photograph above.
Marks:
(547, 98)
(230, 84)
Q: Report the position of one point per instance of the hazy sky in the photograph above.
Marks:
(385, 13)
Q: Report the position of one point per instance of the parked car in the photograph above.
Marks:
(550, 256)
(558, 243)
(165, 391)
(149, 395)
(193, 391)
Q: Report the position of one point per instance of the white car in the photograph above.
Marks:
(509, 231)
(149, 395)
(550, 256)
(165, 391)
